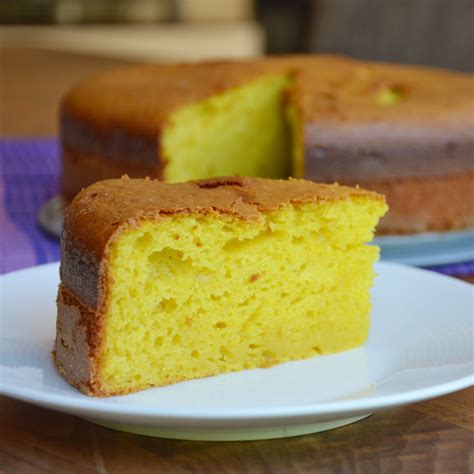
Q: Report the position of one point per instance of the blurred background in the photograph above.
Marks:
(47, 45)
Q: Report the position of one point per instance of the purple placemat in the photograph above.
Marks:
(29, 172)
(462, 269)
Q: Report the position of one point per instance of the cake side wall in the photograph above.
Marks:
(91, 153)
(77, 340)
(108, 139)
(85, 235)
(80, 271)
(437, 203)
(82, 297)
(391, 150)
(80, 169)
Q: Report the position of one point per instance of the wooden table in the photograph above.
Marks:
(433, 436)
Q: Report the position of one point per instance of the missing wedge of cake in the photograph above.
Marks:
(162, 283)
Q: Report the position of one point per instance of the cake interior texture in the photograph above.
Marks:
(241, 131)
(195, 295)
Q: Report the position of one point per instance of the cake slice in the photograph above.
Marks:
(162, 283)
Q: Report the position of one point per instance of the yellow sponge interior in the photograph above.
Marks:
(197, 295)
(242, 131)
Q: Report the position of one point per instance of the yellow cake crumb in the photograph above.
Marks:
(211, 138)
(200, 294)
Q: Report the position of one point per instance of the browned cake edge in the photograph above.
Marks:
(100, 213)
(428, 204)
(78, 336)
(83, 169)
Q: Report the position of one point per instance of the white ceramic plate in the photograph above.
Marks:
(431, 248)
(420, 346)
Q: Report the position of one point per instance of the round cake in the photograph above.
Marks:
(403, 131)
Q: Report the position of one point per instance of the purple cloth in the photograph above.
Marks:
(29, 176)
(462, 269)
(29, 171)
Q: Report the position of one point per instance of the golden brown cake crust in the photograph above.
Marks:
(340, 90)
(329, 89)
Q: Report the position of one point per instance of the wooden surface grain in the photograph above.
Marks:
(434, 436)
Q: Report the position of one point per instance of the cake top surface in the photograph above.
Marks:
(347, 92)
(97, 212)
(331, 89)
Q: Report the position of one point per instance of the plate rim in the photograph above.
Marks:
(338, 408)
(103, 406)
(428, 248)
(422, 237)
